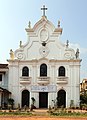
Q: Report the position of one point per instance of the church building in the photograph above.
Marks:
(44, 68)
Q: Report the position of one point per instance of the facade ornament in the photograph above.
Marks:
(20, 44)
(44, 51)
(58, 23)
(11, 54)
(29, 24)
(67, 43)
(77, 53)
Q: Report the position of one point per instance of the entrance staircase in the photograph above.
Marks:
(40, 112)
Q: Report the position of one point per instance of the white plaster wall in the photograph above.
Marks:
(32, 58)
(72, 88)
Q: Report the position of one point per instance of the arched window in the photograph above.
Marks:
(43, 70)
(61, 71)
(25, 71)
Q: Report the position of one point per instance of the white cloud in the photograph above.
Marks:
(83, 50)
(75, 46)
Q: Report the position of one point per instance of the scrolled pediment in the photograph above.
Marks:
(19, 54)
(69, 53)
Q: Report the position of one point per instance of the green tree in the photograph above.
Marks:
(11, 102)
(83, 98)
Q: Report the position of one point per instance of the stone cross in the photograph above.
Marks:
(43, 8)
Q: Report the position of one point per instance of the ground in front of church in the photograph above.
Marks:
(41, 114)
(39, 118)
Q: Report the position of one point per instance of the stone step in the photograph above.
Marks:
(40, 112)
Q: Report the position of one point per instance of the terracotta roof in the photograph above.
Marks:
(4, 66)
(5, 90)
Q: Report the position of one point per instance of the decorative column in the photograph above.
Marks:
(52, 95)
(71, 84)
(34, 77)
(52, 73)
(34, 82)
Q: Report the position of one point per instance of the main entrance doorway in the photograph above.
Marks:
(61, 96)
(43, 99)
(25, 98)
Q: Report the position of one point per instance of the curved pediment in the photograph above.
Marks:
(69, 53)
(44, 23)
(44, 43)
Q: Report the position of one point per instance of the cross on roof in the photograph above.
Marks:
(43, 8)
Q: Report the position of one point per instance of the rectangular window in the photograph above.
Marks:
(0, 77)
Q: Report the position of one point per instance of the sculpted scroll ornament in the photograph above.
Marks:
(20, 55)
(67, 55)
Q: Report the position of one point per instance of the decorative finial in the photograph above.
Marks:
(77, 53)
(58, 23)
(67, 43)
(11, 54)
(20, 44)
(29, 25)
(44, 8)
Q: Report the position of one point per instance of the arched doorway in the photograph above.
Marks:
(61, 98)
(43, 70)
(25, 98)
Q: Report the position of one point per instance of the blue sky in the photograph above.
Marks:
(15, 15)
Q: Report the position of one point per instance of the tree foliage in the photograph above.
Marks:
(83, 98)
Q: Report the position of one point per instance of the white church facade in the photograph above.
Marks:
(44, 68)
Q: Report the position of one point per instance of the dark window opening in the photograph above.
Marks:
(43, 70)
(61, 71)
(25, 71)
(0, 77)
